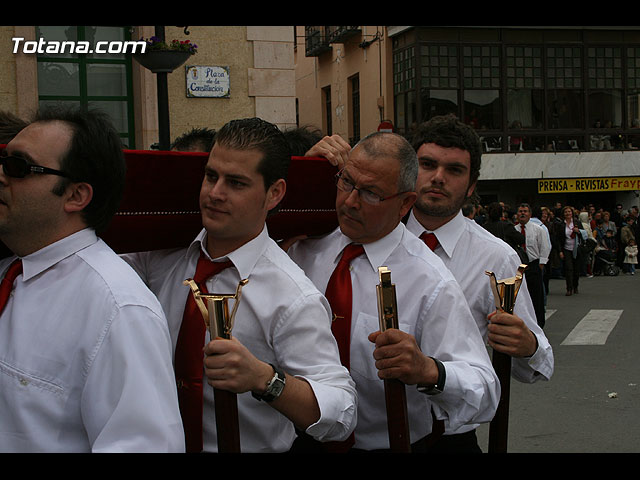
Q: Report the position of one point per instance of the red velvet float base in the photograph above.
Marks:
(160, 204)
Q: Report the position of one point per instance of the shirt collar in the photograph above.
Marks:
(448, 234)
(379, 251)
(39, 261)
(244, 258)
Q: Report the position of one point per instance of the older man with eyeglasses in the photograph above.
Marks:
(448, 376)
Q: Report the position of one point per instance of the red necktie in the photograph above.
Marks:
(338, 293)
(6, 285)
(430, 239)
(524, 233)
(189, 357)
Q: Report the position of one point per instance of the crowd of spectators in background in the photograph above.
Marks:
(609, 238)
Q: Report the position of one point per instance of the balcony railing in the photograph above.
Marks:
(522, 142)
(340, 34)
(316, 41)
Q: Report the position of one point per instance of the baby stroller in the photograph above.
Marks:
(605, 264)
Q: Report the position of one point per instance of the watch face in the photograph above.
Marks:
(275, 387)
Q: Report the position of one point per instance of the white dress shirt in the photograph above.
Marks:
(282, 319)
(468, 251)
(537, 221)
(569, 240)
(85, 356)
(537, 241)
(432, 308)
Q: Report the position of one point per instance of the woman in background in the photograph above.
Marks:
(567, 238)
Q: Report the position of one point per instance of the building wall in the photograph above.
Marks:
(335, 68)
(18, 80)
(259, 58)
(260, 62)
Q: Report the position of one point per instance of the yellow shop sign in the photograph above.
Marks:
(605, 184)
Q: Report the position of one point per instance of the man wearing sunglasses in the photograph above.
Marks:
(444, 372)
(85, 349)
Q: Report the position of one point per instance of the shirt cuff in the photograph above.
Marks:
(337, 413)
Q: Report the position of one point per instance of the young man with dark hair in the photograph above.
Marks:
(449, 155)
(85, 347)
(281, 334)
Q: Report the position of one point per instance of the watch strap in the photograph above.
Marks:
(439, 386)
(274, 386)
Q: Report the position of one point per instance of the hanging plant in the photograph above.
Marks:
(161, 56)
(154, 44)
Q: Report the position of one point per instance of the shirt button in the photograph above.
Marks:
(24, 382)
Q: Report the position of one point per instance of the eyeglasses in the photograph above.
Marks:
(367, 195)
(17, 167)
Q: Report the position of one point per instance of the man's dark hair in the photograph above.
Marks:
(95, 156)
(495, 210)
(447, 131)
(467, 208)
(195, 140)
(301, 139)
(258, 134)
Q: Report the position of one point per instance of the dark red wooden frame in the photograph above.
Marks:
(160, 204)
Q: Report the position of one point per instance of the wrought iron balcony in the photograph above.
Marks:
(340, 34)
(316, 41)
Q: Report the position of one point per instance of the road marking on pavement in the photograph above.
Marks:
(548, 312)
(594, 328)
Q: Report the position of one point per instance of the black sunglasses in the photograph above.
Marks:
(17, 167)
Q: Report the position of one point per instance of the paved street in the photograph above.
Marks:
(592, 403)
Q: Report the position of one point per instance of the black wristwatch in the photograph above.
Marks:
(274, 387)
(439, 386)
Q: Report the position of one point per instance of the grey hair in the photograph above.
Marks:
(392, 145)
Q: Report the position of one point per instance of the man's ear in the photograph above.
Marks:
(275, 193)
(471, 189)
(78, 195)
(407, 202)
